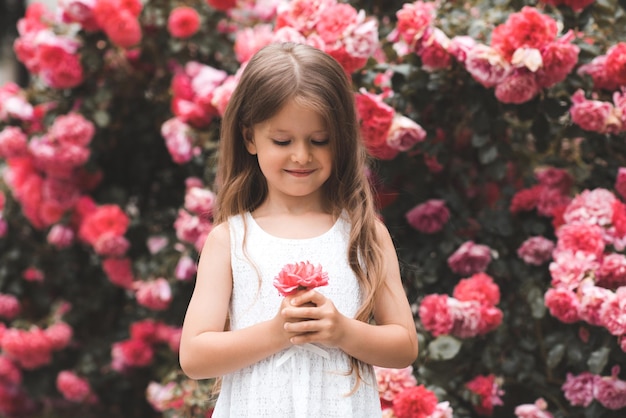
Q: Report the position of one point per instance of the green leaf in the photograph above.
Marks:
(488, 155)
(536, 302)
(555, 355)
(444, 347)
(598, 359)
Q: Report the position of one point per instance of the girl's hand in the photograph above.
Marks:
(310, 317)
(281, 320)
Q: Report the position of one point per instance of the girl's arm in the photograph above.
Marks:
(206, 350)
(392, 342)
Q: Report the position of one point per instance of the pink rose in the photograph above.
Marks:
(404, 133)
(13, 142)
(183, 22)
(480, 288)
(433, 50)
(616, 62)
(429, 217)
(559, 58)
(249, 40)
(563, 304)
(594, 115)
(593, 207)
(376, 118)
(596, 69)
(578, 390)
(518, 87)
(610, 391)
(335, 21)
(119, 271)
(131, 353)
(486, 65)
(413, 20)
(612, 271)
(299, 276)
(435, 314)
(154, 294)
(72, 387)
(528, 28)
(591, 300)
(393, 381)
(470, 258)
(613, 311)
(536, 250)
(536, 410)
(581, 237)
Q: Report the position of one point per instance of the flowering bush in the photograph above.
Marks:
(496, 131)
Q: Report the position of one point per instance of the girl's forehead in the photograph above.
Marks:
(295, 116)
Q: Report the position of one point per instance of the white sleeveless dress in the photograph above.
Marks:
(297, 382)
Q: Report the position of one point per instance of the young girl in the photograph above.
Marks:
(293, 188)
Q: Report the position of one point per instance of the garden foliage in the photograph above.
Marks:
(497, 135)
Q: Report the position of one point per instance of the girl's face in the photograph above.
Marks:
(293, 151)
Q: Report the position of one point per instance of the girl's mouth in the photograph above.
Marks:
(299, 173)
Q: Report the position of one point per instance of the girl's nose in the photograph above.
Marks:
(301, 155)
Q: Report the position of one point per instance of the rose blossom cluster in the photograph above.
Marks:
(524, 57)
(336, 28)
(53, 58)
(385, 132)
(194, 221)
(46, 174)
(402, 397)
(588, 267)
(606, 71)
(139, 349)
(487, 392)
(599, 116)
(470, 312)
(549, 197)
(32, 348)
(199, 94)
(609, 391)
(416, 30)
(119, 20)
(74, 388)
(429, 217)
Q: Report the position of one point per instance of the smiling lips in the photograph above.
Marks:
(300, 173)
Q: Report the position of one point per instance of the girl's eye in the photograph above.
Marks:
(280, 143)
(319, 142)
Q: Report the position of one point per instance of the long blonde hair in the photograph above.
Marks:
(275, 75)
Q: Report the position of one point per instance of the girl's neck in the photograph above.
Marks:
(294, 219)
(291, 207)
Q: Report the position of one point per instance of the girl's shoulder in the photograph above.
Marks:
(220, 234)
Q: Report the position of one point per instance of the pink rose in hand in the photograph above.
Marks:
(299, 276)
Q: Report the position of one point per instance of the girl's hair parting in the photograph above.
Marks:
(275, 75)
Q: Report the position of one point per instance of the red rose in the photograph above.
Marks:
(414, 402)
